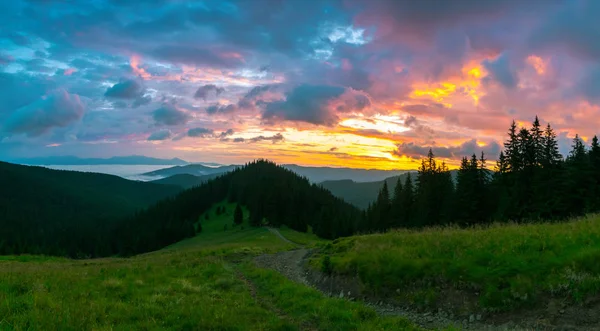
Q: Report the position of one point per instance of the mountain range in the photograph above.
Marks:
(116, 160)
(314, 174)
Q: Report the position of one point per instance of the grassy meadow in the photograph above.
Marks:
(507, 266)
(203, 283)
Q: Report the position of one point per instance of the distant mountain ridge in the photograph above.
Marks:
(190, 169)
(365, 193)
(314, 174)
(116, 160)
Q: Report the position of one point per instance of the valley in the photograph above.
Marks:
(207, 282)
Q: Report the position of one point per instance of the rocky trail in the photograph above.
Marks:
(293, 265)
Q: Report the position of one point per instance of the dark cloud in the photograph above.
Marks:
(574, 27)
(202, 91)
(252, 98)
(126, 89)
(37, 65)
(197, 56)
(200, 132)
(315, 104)
(170, 115)
(221, 109)
(57, 110)
(425, 18)
(501, 71)
(275, 138)
(589, 86)
(160, 135)
(467, 148)
(6, 59)
(21, 89)
(225, 134)
(19, 39)
(119, 104)
(141, 101)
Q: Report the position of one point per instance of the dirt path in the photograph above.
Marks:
(292, 264)
(280, 236)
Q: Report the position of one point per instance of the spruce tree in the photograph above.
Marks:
(238, 215)
(396, 208)
(501, 164)
(537, 141)
(580, 187)
(408, 202)
(594, 155)
(551, 155)
(511, 149)
(382, 209)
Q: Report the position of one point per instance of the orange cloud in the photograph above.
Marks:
(538, 64)
(141, 72)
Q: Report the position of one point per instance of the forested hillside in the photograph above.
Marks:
(360, 194)
(63, 212)
(273, 195)
(185, 181)
(54, 212)
(532, 181)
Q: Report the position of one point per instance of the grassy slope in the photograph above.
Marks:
(511, 265)
(203, 283)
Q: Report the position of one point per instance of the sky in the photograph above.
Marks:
(354, 83)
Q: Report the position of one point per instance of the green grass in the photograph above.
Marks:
(510, 266)
(308, 307)
(203, 283)
(306, 239)
(220, 236)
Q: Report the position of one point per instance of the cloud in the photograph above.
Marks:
(126, 89)
(191, 55)
(220, 109)
(589, 86)
(56, 110)
(141, 101)
(170, 115)
(413, 20)
(316, 104)
(258, 96)
(225, 134)
(501, 71)
(202, 91)
(274, 139)
(573, 28)
(5, 59)
(200, 132)
(468, 148)
(160, 135)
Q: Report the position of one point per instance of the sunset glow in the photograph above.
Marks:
(336, 83)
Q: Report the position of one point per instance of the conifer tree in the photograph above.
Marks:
(537, 141)
(579, 172)
(238, 215)
(551, 155)
(511, 150)
(408, 202)
(594, 154)
(396, 207)
(382, 212)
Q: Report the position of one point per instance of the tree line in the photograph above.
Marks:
(531, 181)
